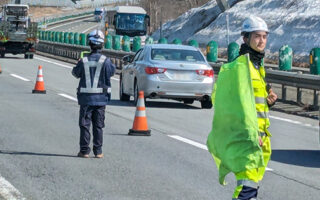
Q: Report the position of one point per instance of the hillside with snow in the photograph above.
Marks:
(291, 22)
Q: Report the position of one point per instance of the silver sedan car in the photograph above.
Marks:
(168, 71)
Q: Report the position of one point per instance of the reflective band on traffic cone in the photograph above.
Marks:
(39, 87)
(140, 125)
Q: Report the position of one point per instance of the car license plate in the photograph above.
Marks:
(181, 76)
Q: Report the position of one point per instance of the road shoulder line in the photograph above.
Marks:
(7, 191)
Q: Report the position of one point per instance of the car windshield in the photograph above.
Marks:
(16, 10)
(97, 12)
(177, 55)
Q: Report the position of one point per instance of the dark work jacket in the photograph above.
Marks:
(107, 71)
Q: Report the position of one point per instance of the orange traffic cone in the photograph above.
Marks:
(39, 87)
(140, 125)
(0, 69)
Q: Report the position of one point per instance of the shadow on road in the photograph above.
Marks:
(113, 102)
(12, 57)
(33, 154)
(176, 105)
(154, 104)
(305, 158)
(89, 20)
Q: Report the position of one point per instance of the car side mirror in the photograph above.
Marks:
(127, 59)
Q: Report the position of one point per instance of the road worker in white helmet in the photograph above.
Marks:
(93, 93)
(240, 141)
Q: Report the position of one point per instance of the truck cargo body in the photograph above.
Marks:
(17, 33)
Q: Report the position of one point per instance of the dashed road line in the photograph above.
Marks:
(191, 142)
(197, 144)
(7, 191)
(68, 97)
(48, 61)
(19, 77)
(292, 121)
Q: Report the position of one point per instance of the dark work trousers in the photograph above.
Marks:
(96, 115)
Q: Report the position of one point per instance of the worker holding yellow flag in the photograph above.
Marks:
(239, 140)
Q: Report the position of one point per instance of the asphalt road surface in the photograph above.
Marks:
(39, 138)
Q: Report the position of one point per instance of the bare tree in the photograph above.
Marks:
(3, 2)
(161, 11)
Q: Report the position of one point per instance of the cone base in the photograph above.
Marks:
(39, 92)
(139, 133)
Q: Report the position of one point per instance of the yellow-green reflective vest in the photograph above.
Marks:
(233, 141)
(3, 37)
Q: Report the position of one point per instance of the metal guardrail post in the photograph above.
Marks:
(299, 93)
(284, 92)
(316, 98)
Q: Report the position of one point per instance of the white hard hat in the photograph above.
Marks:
(96, 37)
(254, 23)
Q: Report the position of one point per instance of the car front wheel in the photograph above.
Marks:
(206, 104)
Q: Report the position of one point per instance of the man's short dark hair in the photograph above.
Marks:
(95, 46)
(245, 34)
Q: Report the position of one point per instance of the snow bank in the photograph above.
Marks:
(291, 22)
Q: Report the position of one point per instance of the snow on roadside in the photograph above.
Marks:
(291, 22)
(190, 22)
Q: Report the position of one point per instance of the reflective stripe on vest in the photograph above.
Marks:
(248, 183)
(87, 64)
(260, 100)
(264, 115)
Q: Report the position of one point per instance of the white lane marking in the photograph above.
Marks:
(116, 79)
(48, 61)
(68, 97)
(63, 24)
(197, 144)
(19, 77)
(89, 29)
(292, 121)
(269, 169)
(7, 191)
(185, 140)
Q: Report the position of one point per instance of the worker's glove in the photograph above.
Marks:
(272, 97)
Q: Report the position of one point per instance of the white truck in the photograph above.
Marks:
(18, 34)
(99, 14)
